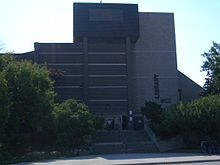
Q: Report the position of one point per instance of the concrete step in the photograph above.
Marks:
(107, 136)
(108, 148)
(119, 136)
(108, 142)
(141, 147)
(134, 147)
(133, 136)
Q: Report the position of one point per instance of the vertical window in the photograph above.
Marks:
(156, 87)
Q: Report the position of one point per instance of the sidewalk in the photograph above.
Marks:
(146, 158)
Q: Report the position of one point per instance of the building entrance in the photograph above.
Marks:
(124, 122)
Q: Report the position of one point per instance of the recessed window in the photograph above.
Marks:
(106, 15)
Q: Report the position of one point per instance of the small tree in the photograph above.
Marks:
(212, 66)
(5, 60)
(4, 104)
(4, 95)
(152, 110)
(31, 94)
(195, 121)
(73, 123)
(4, 112)
(31, 98)
(203, 116)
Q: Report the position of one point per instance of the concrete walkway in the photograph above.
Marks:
(149, 158)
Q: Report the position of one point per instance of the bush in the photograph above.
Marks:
(27, 98)
(171, 121)
(194, 121)
(4, 113)
(73, 124)
(5, 60)
(152, 111)
(99, 123)
(31, 119)
(203, 117)
(5, 103)
(31, 96)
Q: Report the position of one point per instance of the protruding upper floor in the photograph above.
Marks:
(105, 20)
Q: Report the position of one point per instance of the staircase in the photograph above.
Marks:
(108, 142)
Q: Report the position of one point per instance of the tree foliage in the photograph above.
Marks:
(4, 103)
(152, 111)
(212, 66)
(204, 116)
(27, 100)
(31, 95)
(30, 119)
(5, 60)
(73, 122)
(197, 120)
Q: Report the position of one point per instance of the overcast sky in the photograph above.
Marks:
(197, 24)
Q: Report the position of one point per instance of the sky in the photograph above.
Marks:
(197, 25)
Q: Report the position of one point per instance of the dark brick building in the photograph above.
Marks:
(119, 59)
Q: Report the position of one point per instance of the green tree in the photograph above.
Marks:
(204, 116)
(5, 60)
(195, 121)
(31, 98)
(4, 95)
(31, 94)
(212, 66)
(73, 123)
(4, 113)
(4, 104)
(31, 117)
(152, 111)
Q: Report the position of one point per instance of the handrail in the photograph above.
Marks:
(151, 134)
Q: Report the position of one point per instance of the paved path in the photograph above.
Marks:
(201, 163)
(149, 158)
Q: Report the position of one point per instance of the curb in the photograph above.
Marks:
(174, 162)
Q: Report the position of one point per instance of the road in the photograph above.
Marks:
(146, 158)
(204, 163)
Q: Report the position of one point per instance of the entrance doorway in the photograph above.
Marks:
(138, 123)
(124, 122)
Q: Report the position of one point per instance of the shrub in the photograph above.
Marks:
(4, 104)
(203, 117)
(152, 111)
(194, 121)
(73, 124)
(31, 119)
(31, 94)
(28, 97)
(5, 60)
(99, 123)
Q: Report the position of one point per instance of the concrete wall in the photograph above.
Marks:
(155, 53)
(65, 57)
(100, 81)
(189, 89)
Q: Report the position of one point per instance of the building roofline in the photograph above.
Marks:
(105, 3)
(156, 13)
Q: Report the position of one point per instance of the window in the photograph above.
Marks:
(106, 15)
(156, 87)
